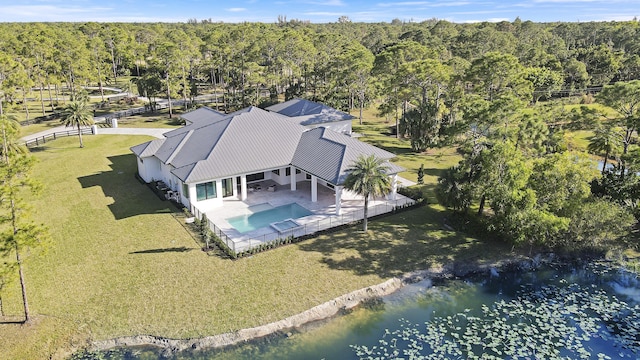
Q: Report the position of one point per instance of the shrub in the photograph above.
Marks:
(414, 193)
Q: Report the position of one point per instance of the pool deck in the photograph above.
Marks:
(324, 211)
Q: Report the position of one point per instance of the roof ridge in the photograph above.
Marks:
(179, 147)
(222, 133)
(142, 147)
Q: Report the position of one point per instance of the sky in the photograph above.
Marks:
(317, 11)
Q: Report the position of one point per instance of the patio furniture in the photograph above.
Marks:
(271, 188)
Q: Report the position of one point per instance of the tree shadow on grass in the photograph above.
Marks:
(397, 149)
(164, 250)
(433, 172)
(401, 243)
(130, 196)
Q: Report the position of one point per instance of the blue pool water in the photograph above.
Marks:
(283, 226)
(260, 219)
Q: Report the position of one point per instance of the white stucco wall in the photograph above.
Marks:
(142, 170)
(283, 178)
(209, 204)
(167, 177)
(149, 169)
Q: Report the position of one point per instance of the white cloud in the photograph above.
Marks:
(425, 3)
(566, 1)
(323, 13)
(236, 9)
(327, 3)
(46, 12)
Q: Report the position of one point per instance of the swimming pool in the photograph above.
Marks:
(260, 219)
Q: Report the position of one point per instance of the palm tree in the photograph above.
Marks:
(9, 131)
(605, 139)
(77, 113)
(368, 177)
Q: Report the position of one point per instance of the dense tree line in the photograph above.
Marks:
(418, 67)
(482, 87)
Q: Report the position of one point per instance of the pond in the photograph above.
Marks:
(589, 312)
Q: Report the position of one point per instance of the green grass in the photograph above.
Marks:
(35, 128)
(602, 109)
(147, 120)
(121, 264)
(578, 140)
(158, 119)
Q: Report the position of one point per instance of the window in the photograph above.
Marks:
(276, 171)
(206, 191)
(288, 171)
(227, 187)
(185, 190)
(255, 177)
(308, 177)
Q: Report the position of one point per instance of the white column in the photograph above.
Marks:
(243, 187)
(338, 190)
(394, 186)
(314, 188)
(293, 178)
(219, 189)
(234, 182)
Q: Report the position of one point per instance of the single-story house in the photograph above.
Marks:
(216, 157)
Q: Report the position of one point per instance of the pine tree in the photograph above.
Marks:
(21, 233)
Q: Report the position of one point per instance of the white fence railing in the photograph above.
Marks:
(41, 140)
(243, 244)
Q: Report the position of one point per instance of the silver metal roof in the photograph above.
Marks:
(196, 119)
(328, 154)
(307, 112)
(253, 140)
(147, 149)
(201, 115)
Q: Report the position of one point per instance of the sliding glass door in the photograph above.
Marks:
(227, 187)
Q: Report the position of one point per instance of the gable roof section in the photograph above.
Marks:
(169, 146)
(253, 140)
(147, 149)
(328, 154)
(196, 119)
(203, 115)
(307, 112)
(198, 143)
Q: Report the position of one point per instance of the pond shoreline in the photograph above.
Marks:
(326, 310)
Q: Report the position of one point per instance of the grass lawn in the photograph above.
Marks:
(36, 128)
(121, 264)
(158, 119)
(578, 140)
(147, 120)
